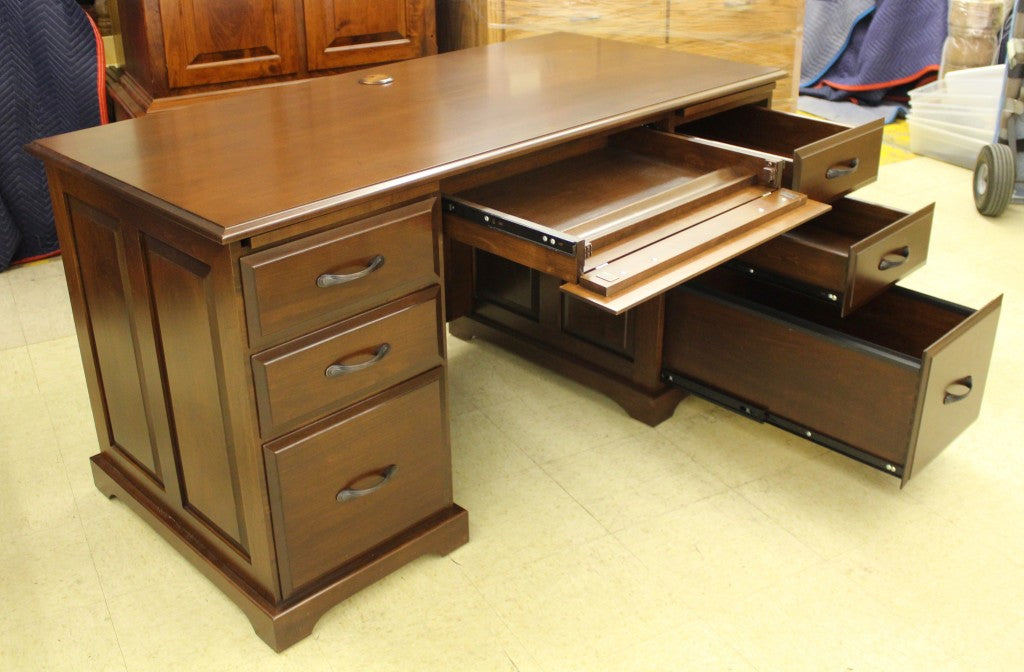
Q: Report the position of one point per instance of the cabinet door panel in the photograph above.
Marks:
(212, 41)
(345, 33)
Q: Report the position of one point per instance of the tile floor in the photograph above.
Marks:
(707, 543)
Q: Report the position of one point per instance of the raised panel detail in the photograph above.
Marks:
(101, 254)
(183, 307)
(213, 41)
(614, 332)
(508, 284)
(343, 33)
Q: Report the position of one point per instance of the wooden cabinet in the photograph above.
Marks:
(180, 51)
(260, 287)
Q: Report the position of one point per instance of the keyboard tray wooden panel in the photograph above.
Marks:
(890, 385)
(612, 220)
(821, 159)
(846, 256)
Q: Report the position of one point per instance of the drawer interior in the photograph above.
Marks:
(900, 320)
(848, 223)
(762, 129)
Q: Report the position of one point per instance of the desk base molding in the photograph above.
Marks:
(283, 624)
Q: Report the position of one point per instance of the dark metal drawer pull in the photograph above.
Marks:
(341, 369)
(329, 279)
(894, 258)
(842, 169)
(352, 493)
(958, 390)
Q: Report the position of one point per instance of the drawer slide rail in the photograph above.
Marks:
(501, 221)
(753, 412)
(805, 288)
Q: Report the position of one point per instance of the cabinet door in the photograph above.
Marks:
(213, 41)
(346, 33)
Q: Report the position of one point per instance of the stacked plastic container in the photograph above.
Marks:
(953, 118)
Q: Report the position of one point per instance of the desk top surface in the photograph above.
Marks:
(249, 163)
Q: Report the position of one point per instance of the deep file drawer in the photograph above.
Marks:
(353, 481)
(821, 159)
(890, 385)
(316, 280)
(314, 375)
(845, 256)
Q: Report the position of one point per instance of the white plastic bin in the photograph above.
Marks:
(929, 139)
(982, 120)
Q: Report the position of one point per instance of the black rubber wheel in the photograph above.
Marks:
(994, 179)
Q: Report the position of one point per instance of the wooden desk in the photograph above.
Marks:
(260, 287)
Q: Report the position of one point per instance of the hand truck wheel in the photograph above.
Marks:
(994, 179)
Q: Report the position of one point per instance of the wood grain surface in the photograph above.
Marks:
(247, 164)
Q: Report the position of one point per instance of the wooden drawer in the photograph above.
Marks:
(628, 219)
(325, 277)
(846, 256)
(328, 369)
(819, 158)
(350, 483)
(891, 385)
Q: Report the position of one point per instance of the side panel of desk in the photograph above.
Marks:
(164, 345)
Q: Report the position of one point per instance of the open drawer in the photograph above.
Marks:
(846, 256)
(819, 158)
(626, 220)
(891, 385)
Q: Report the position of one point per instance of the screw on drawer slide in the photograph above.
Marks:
(805, 288)
(510, 224)
(711, 394)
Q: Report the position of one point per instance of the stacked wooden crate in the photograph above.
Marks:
(765, 32)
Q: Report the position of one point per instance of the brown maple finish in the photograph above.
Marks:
(261, 284)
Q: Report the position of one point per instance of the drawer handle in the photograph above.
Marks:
(352, 493)
(894, 258)
(958, 390)
(842, 169)
(335, 370)
(332, 279)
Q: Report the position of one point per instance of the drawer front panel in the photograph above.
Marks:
(956, 371)
(848, 255)
(325, 277)
(358, 479)
(851, 394)
(888, 256)
(320, 373)
(837, 165)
